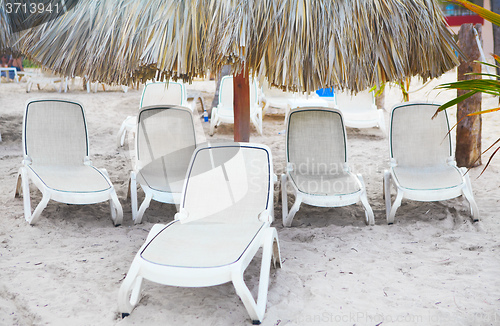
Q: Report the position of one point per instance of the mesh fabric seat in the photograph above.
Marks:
(224, 112)
(422, 164)
(225, 216)
(317, 169)
(359, 110)
(165, 142)
(55, 146)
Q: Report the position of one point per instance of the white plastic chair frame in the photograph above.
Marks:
(232, 271)
(47, 78)
(426, 195)
(29, 172)
(360, 110)
(151, 193)
(327, 200)
(224, 112)
(157, 93)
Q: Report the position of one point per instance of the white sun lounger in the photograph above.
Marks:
(56, 159)
(225, 216)
(158, 93)
(45, 78)
(224, 112)
(316, 161)
(423, 167)
(165, 142)
(360, 110)
(286, 101)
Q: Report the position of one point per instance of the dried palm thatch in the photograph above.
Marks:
(7, 37)
(295, 44)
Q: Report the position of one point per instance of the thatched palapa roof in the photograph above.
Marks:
(296, 44)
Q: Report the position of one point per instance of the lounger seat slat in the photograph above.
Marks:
(203, 244)
(441, 177)
(81, 178)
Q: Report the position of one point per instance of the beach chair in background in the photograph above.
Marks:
(423, 167)
(359, 110)
(224, 219)
(56, 159)
(316, 163)
(286, 101)
(224, 112)
(47, 77)
(158, 93)
(165, 141)
(273, 97)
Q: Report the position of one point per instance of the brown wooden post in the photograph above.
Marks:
(469, 129)
(241, 102)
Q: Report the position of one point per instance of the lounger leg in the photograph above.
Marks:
(130, 290)
(395, 206)
(295, 208)
(133, 194)
(39, 208)
(213, 122)
(387, 192)
(257, 309)
(142, 209)
(114, 204)
(19, 185)
(369, 217)
(121, 134)
(116, 208)
(467, 192)
(284, 198)
(23, 181)
(257, 121)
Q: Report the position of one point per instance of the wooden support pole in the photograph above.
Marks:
(241, 102)
(468, 148)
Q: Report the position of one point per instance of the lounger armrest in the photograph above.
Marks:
(346, 167)
(87, 161)
(451, 161)
(181, 215)
(266, 216)
(26, 160)
(138, 166)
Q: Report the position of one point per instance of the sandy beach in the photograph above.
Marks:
(432, 267)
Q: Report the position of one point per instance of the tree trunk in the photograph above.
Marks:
(380, 101)
(241, 102)
(468, 151)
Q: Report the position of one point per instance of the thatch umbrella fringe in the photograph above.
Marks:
(295, 44)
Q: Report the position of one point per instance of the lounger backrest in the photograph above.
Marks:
(226, 93)
(418, 140)
(55, 132)
(316, 141)
(163, 93)
(229, 178)
(362, 101)
(168, 132)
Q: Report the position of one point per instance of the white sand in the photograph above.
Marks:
(432, 267)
